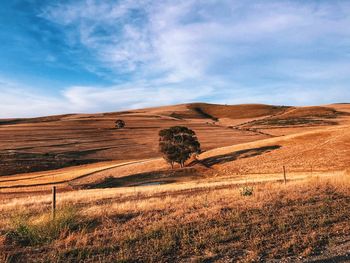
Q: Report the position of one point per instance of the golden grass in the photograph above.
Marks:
(41, 144)
(321, 150)
(59, 176)
(193, 221)
(198, 218)
(76, 170)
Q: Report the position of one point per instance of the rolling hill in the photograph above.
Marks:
(118, 200)
(54, 142)
(93, 150)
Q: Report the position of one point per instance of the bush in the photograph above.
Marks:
(247, 190)
(29, 231)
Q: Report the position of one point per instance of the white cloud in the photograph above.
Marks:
(22, 101)
(126, 97)
(182, 40)
(18, 100)
(282, 52)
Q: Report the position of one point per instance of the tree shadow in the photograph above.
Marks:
(224, 158)
(146, 178)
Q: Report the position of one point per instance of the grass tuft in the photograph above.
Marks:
(27, 230)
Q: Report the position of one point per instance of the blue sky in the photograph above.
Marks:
(94, 56)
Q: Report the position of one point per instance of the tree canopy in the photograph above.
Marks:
(177, 144)
(119, 124)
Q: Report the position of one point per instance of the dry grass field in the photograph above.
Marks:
(38, 144)
(187, 222)
(118, 200)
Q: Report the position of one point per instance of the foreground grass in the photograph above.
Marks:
(31, 231)
(277, 221)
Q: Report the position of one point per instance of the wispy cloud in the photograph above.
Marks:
(187, 38)
(18, 100)
(21, 101)
(162, 52)
(128, 97)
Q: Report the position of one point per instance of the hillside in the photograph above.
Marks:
(306, 153)
(101, 151)
(244, 111)
(53, 142)
(118, 200)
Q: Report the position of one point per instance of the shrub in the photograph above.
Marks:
(247, 190)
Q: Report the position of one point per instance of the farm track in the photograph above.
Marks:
(65, 181)
(209, 187)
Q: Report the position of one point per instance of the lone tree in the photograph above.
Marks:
(178, 144)
(119, 124)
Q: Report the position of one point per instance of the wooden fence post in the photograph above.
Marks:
(53, 202)
(284, 175)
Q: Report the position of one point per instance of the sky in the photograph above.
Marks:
(80, 56)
